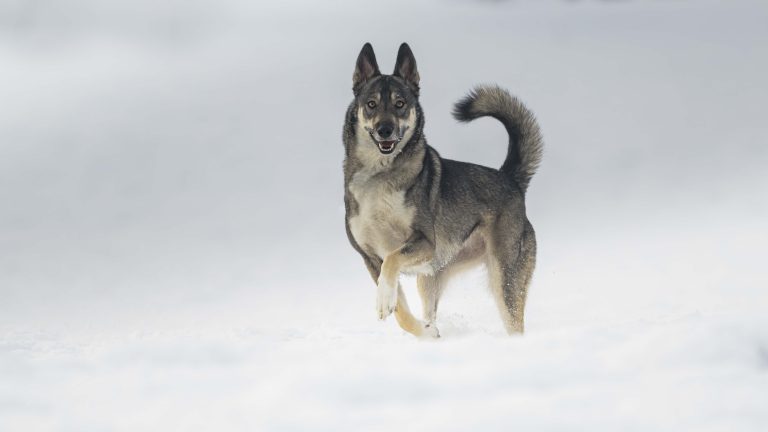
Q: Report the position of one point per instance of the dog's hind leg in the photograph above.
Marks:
(510, 267)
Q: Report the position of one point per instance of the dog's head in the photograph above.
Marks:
(387, 105)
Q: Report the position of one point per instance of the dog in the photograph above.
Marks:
(410, 211)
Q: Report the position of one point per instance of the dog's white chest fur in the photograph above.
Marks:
(383, 222)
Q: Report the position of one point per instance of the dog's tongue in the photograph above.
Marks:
(387, 145)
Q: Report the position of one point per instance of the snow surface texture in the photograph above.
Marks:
(172, 251)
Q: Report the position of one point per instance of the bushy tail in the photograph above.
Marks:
(525, 144)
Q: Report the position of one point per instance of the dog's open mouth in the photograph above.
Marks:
(386, 147)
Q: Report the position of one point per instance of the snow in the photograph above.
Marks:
(172, 251)
(689, 372)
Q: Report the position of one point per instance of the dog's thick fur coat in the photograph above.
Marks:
(410, 211)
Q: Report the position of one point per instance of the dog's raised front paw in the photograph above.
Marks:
(386, 299)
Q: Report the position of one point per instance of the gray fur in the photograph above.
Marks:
(525, 146)
(411, 211)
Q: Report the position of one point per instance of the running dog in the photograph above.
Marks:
(410, 211)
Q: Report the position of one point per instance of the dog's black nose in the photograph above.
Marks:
(385, 130)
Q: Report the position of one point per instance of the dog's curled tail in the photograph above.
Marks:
(525, 143)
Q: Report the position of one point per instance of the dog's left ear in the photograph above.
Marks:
(405, 66)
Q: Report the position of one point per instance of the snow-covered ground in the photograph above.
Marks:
(172, 251)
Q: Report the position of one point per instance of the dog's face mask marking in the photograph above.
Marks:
(386, 114)
(386, 104)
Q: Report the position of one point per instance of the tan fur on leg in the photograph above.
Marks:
(414, 252)
(404, 316)
(430, 288)
(510, 265)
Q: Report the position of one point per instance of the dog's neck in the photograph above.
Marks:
(364, 160)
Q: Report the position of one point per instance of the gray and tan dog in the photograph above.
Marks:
(410, 211)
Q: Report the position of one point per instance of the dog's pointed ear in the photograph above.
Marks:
(365, 69)
(405, 67)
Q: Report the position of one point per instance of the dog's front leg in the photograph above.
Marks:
(417, 250)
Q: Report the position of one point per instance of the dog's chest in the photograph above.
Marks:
(383, 221)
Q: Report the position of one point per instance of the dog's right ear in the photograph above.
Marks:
(365, 69)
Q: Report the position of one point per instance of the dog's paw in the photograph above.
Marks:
(429, 331)
(386, 299)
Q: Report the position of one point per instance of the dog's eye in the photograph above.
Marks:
(371, 104)
(399, 104)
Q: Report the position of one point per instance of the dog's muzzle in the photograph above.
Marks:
(386, 146)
